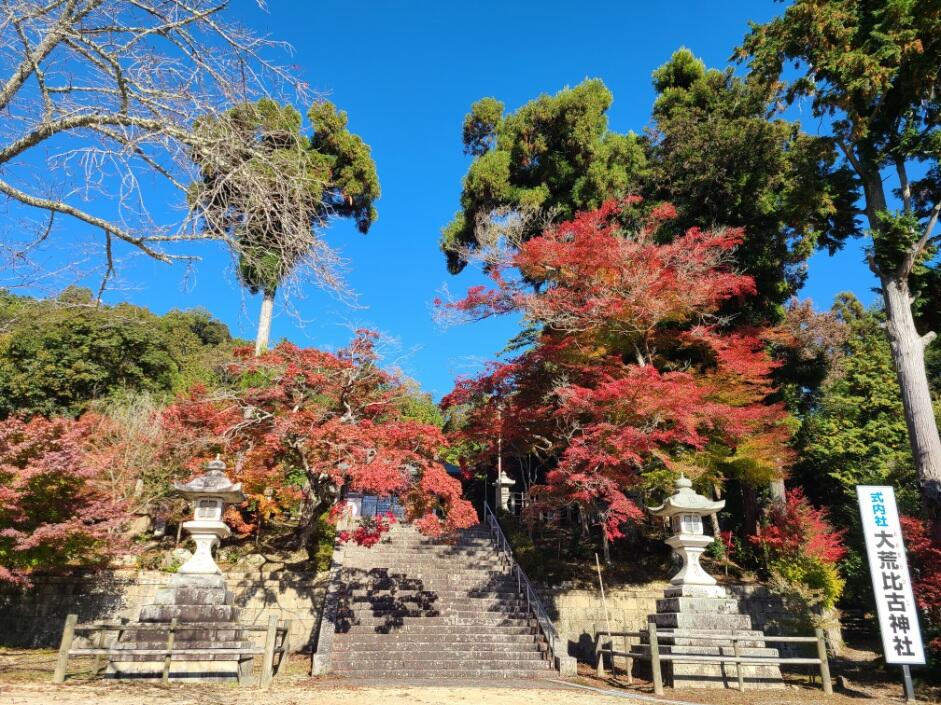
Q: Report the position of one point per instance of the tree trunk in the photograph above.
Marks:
(908, 354)
(778, 494)
(307, 523)
(264, 322)
(750, 507)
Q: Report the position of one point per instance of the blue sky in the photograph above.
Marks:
(407, 72)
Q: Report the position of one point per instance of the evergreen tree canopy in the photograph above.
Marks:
(244, 197)
(717, 156)
(555, 153)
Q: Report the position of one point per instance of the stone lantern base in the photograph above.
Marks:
(689, 611)
(188, 598)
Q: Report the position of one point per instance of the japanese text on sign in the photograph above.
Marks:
(891, 582)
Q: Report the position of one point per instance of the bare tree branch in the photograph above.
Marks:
(96, 94)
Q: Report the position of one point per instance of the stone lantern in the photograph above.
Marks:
(195, 595)
(503, 484)
(695, 605)
(686, 510)
(209, 493)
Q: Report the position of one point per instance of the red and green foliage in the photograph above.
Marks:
(924, 562)
(54, 512)
(803, 548)
(630, 369)
(300, 425)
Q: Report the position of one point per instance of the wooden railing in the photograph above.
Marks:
(656, 658)
(272, 631)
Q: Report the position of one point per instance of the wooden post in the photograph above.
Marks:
(99, 644)
(285, 643)
(655, 658)
(171, 638)
(68, 636)
(268, 658)
(599, 654)
(628, 660)
(824, 663)
(738, 664)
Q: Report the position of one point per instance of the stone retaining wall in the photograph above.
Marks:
(34, 617)
(578, 613)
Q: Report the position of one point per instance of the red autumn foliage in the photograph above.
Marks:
(369, 531)
(924, 562)
(798, 528)
(300, 425)
(629, 368)
(54, 511)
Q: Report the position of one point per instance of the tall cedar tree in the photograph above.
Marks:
(301, 425)
(717, 157)
(871, 68)
(275, 223)
(555, 153)
(629, 375)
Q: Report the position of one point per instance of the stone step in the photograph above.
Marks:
(395, 621)
(483, 673)
(423, 642)
(481, 549)
(391, 648)
(713, 605)
(374, 662)
(189, 613)
(446, 593)
(396, 601)
(443, 628)
(459, 609)
(183, 644)
(725, 623)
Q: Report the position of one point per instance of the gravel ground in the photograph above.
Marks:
(25, 676)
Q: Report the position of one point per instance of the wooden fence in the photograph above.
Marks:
(656, 658)
(271, 644)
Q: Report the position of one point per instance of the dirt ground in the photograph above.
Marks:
(25, 680)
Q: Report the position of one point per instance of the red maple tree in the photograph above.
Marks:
(924, 557)
(55, 512)
(299, 426)
(628, 365)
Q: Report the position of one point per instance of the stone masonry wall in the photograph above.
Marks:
(578, 613)
(34, 617)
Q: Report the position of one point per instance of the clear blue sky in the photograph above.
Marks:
(406, 72)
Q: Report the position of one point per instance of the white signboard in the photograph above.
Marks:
(891, 582)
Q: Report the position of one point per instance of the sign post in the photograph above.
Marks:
(891, 581)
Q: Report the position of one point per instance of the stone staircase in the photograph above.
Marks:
(415, 607)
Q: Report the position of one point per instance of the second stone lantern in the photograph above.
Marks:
(209, 493)
(686, 510)
(697, 616)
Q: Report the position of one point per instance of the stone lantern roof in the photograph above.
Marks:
(213, 483)
(687, 500)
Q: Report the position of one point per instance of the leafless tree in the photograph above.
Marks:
(98, 99)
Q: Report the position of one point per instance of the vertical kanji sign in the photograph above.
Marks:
(891, 582)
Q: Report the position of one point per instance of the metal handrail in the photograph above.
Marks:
(533, 602)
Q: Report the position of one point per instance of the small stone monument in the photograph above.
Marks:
(503, 483)
(696, 604)
(195, 594)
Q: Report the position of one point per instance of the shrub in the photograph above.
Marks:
(802, 550)
(924, 557)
